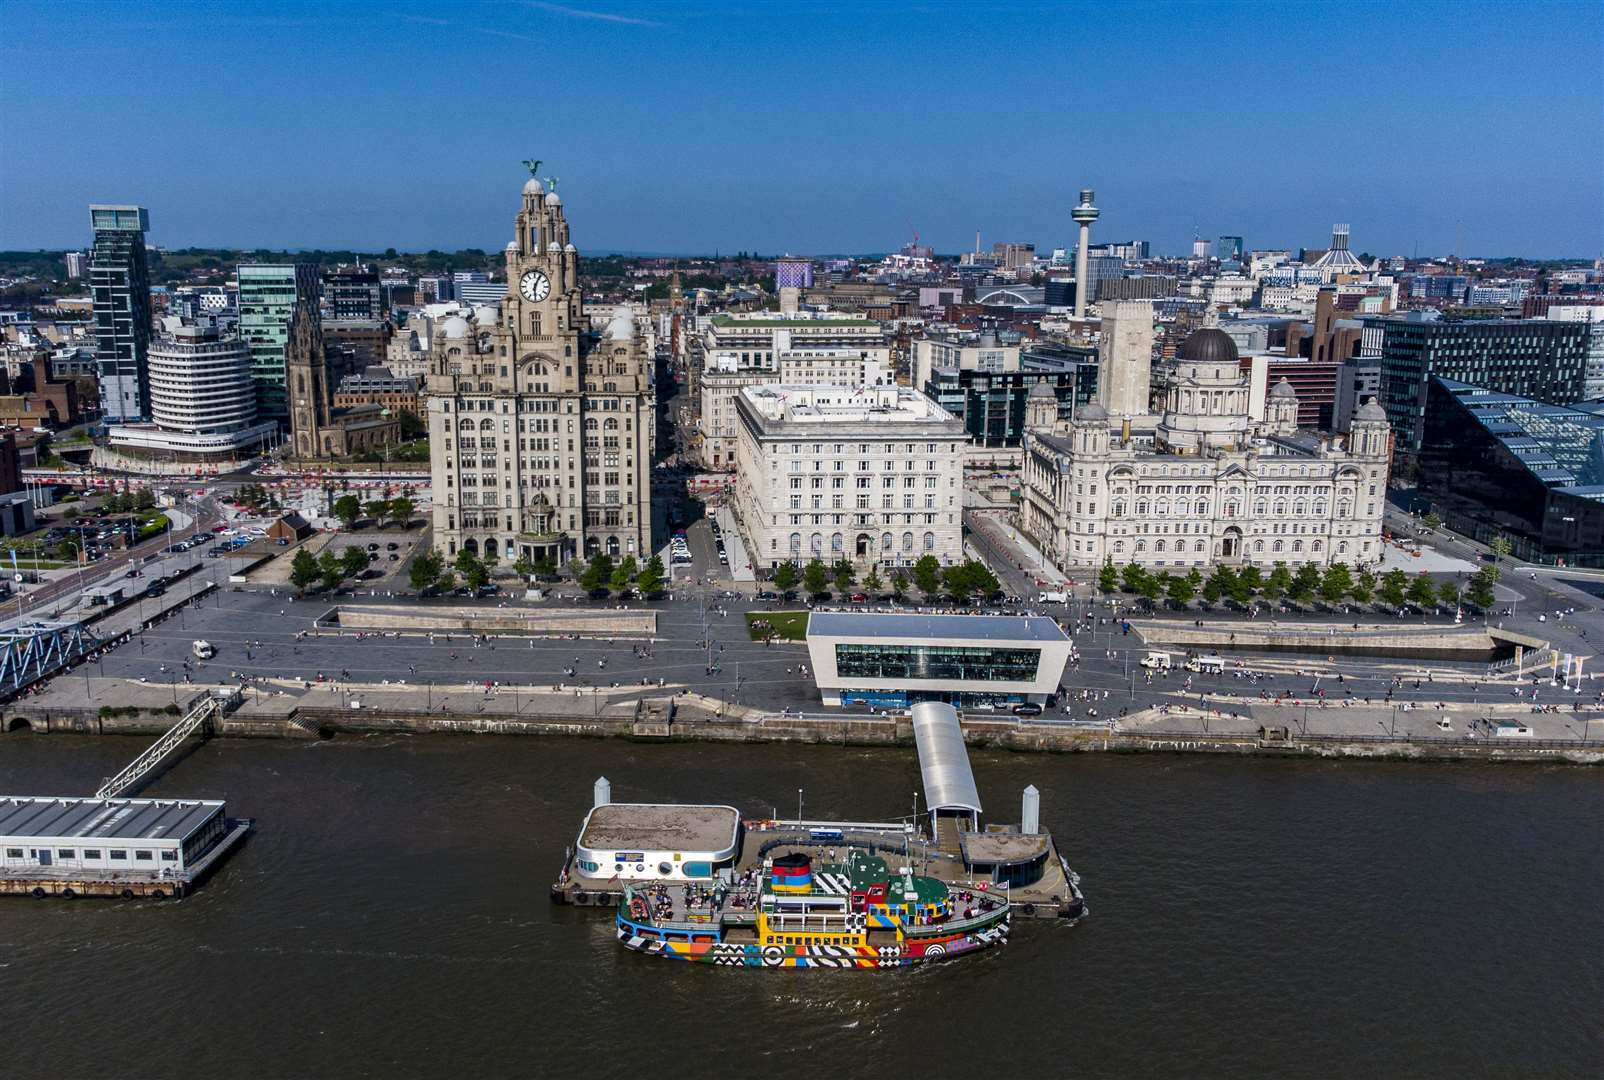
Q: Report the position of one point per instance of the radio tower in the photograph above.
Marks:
(1084, 214)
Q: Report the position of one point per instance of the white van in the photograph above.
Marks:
(1207, 665)
(1053, 598)
(1158, 661)
(202, 649)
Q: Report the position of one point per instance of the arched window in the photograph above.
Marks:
(1344, 508)
(611, 425)
(1141, 546)
(837, 544)
(464, 425)
(1141, 507)
(796, 543)
(1119, 508)
(907, 542)
(1320, 508)
(1280, 508)
(1342, 547)
(1261, 507)
(1276, 547)
(1119, 547)
(885, 543)
(1297, 546)
(1198, 547)
(1158, 545)
(487, 425)
(930, 541)
(816, 544)
(1258, 546)
(1315, 547)
(1300, 509)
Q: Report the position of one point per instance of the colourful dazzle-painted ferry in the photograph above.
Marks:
(790, 913)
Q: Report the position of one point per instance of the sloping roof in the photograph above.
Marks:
(943, 759)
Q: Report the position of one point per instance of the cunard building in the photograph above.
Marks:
(540, 428)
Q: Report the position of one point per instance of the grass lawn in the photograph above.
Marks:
(785, 625)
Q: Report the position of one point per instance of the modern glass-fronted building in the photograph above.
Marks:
(1495, 464)
(894, 659)
(119, 288)
(1530, 358)
(267, 295)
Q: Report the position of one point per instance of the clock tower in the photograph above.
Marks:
(544, 310)
(542, 422)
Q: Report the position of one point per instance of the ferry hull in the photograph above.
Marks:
(912, 951)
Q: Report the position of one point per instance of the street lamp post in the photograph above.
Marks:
(799, 807)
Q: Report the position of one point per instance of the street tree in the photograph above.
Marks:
(1277, 584)
(872, 583)
(330, 570)
(623, 575)
(303, 569)
(399, 510)
(598, 574)
(899, 584)
(1132, 577)
(815, 578)
(927, 575)
(1250, 580)
(650, 582)
(1500, 547)
(844, 574)
(522, 566)
(1363, 587)
(425, 570)
(1432, 520)
(348, 508)
(1108, 577)
(956, 580)
(1450, 592)
(981, 579)
(1480, 592)
(1394, 588)
(1181, 589)
(785, 577)
(376, 509)
(353, 560)
(1422, 593)
(1305, 583)
(1152, 586)
(1336, 584)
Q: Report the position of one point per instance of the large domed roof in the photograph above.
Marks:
(1371, 411)
(532, 186)
(1042, 390)
(456, 327)
(1091, 412)
(1209, 346)
(1283, 389)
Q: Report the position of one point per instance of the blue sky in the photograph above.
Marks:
(809, 128)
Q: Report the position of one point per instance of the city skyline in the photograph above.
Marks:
(852, 146)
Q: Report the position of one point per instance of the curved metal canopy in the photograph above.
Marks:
(943, 758)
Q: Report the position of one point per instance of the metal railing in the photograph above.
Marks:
(142, 765)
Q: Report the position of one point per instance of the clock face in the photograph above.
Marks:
(534, 285)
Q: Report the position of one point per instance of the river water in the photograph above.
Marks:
(389, 918)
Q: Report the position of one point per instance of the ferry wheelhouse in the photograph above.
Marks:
(790, 913)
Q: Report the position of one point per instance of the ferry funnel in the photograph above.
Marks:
(603, 792)
(1030, 812)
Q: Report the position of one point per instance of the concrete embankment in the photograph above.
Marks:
(474, 620)
(692, 718)
(1445, 641)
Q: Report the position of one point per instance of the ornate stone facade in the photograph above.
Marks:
(1204, 482)
(540, 428)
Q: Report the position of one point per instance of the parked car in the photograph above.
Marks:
(1027, 708)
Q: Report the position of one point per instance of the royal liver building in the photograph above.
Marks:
(540, 427)
(1202, 481)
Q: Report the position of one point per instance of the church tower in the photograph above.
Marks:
(306, 377)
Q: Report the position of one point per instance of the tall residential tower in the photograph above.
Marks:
(119, 284)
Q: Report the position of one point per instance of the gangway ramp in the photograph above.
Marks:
(35, 649)
(141, 766)
(949, 782)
